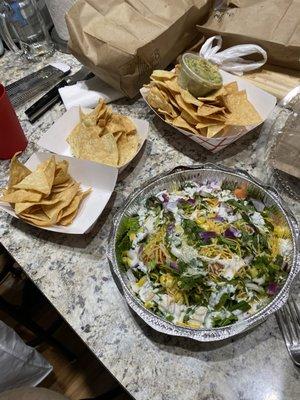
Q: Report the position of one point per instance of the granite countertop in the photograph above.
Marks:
(73, 272)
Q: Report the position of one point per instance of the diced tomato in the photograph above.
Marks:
(241, 192)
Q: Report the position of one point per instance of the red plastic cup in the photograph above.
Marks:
(12, 138)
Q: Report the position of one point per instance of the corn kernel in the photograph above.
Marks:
(142, 281)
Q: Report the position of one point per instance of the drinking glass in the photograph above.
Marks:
(25, 20)
(12, 137)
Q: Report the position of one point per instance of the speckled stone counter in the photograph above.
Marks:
(72, 271)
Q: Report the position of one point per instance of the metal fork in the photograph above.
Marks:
(288, 318)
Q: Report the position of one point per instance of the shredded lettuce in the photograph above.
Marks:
(128, 226)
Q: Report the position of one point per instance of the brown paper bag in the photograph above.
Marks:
(122, 41)
(272, 24)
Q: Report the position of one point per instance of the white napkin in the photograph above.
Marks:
(88, 93)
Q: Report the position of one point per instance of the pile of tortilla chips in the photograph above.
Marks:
(45, 197)
(206, 116)
(104, 137)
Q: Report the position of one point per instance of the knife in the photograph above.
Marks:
(52, 96)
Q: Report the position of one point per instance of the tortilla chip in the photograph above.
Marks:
(188, 107)
(203, 131)
(213, 96)
(61, 172)
(36, 217)
(168, 87)
(68, 219)
(216, 118)
(104, 117)
(189, 118)
(120, 123)
(162, 75)
(81, 136)
(172, 86)
(127, 147)
(65, 198)
(204, 123)
(74, 139)
(17, 171)
(168, 119)
(163, 112)
(68, 214)
(177, 69)
(55, 197)
(181, 123)
(189, 98)
(241, 110)
(36, 181)
(206, 110)
(174, 104)
(100, 109)
(103, 150)
(231, 87)
(117, 135)
(73, 206)
(60, 188)
(164, 93)
(89, 120)
(21, 195)
(48, 167)
(156, 100)
(20, 207)
(214, 130)
(92, 118)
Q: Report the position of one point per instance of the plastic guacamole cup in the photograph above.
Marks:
(198, 75)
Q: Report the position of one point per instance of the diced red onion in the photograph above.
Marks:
(232, 233)
(207, 235)
(219, 218)
(170, 228)
(174, 265)
(165, 197)
(191, 201)
(272, 289)
(184, 201)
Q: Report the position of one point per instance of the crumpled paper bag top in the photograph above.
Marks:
(123, 41)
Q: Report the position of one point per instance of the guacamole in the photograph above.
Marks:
(198, 75)
(204, 69)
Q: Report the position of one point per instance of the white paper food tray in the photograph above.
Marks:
(263, 102)
(101, 178)
(55, 138)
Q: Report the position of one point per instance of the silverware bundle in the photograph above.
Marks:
(31, 85)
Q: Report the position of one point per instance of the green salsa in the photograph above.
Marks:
(204, 69)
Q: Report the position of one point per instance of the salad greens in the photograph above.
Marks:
(204, 254)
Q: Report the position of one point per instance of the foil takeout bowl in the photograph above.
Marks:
(199, 173)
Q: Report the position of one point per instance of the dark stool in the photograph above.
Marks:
(22, 315)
